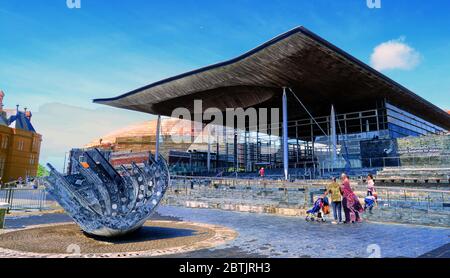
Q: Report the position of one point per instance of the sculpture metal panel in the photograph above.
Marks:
(106, 202)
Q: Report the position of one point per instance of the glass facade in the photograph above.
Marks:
(364, 139)
(310, 148)
(403, 124)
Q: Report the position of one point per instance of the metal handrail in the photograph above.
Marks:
(17, 201)
(428, 200)
(309, 183)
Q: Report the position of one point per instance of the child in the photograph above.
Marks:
(370, 202)
(370, 185)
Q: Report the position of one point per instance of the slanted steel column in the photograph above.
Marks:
(333, 138)
(235, 151)
(285, 136)
(158, 133)
(208, 162)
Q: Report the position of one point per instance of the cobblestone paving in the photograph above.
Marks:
(274, 236)
(441, 252)
(155, 238)
(285, 237)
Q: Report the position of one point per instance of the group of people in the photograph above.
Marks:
(343, 198)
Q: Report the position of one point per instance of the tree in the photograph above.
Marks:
(42, 171)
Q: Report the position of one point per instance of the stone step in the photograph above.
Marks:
(413, 180)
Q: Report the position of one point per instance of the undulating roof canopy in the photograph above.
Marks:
(320, 74)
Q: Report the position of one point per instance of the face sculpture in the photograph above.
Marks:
(104, 202)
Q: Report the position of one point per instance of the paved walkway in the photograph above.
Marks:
(441, 252)
(274, 236)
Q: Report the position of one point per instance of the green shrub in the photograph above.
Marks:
(42, 171)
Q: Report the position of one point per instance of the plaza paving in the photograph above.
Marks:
(273, 236)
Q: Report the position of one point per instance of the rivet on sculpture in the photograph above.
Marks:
(105, 202)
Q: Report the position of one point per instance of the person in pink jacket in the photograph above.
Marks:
(350, 202)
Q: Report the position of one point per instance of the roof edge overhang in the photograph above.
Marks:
(311, 35)
(299, 29)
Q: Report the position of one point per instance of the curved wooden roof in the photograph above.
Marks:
(320, 73)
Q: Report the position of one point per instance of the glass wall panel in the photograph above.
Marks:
(403, 124)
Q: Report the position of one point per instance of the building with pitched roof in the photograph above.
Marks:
(19, 144)
(337, 112)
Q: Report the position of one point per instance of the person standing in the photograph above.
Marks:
(333, 189)
(370, 185)
(261, 172)
(350, 202)
(344, 179)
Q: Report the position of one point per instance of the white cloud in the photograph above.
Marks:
(395, 54)
(64, 127)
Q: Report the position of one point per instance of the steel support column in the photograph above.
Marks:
(333, 138)
(285, 136)
(235, 152)
(158, 133)
(208, 161)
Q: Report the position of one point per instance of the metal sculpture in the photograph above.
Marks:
(105, 202)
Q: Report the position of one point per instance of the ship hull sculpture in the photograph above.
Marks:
(104, 202)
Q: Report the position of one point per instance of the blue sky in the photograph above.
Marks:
(54, 59)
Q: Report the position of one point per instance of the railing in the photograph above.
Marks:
(422, 160)
(279, 180)
(302, 193)
(411, 198)
(366, 164)
(24, 199)
(37, 182)
(11, 184)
